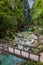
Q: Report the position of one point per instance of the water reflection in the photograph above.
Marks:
(11, 60)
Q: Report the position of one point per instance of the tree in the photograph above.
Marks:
(10, 12)
(37, 12)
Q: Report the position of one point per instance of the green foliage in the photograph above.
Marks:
(10, 19)
(37, 16)
(31, 63)
(37, 12)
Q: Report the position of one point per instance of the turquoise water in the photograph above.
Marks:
(11, 60)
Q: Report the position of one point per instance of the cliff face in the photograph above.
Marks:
(37, 12)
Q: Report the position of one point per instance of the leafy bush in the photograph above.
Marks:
(31, 63)
(37, 13)
(10, 19)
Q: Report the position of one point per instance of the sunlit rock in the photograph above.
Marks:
(41, 41)
(34, 36)
(19, 35)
